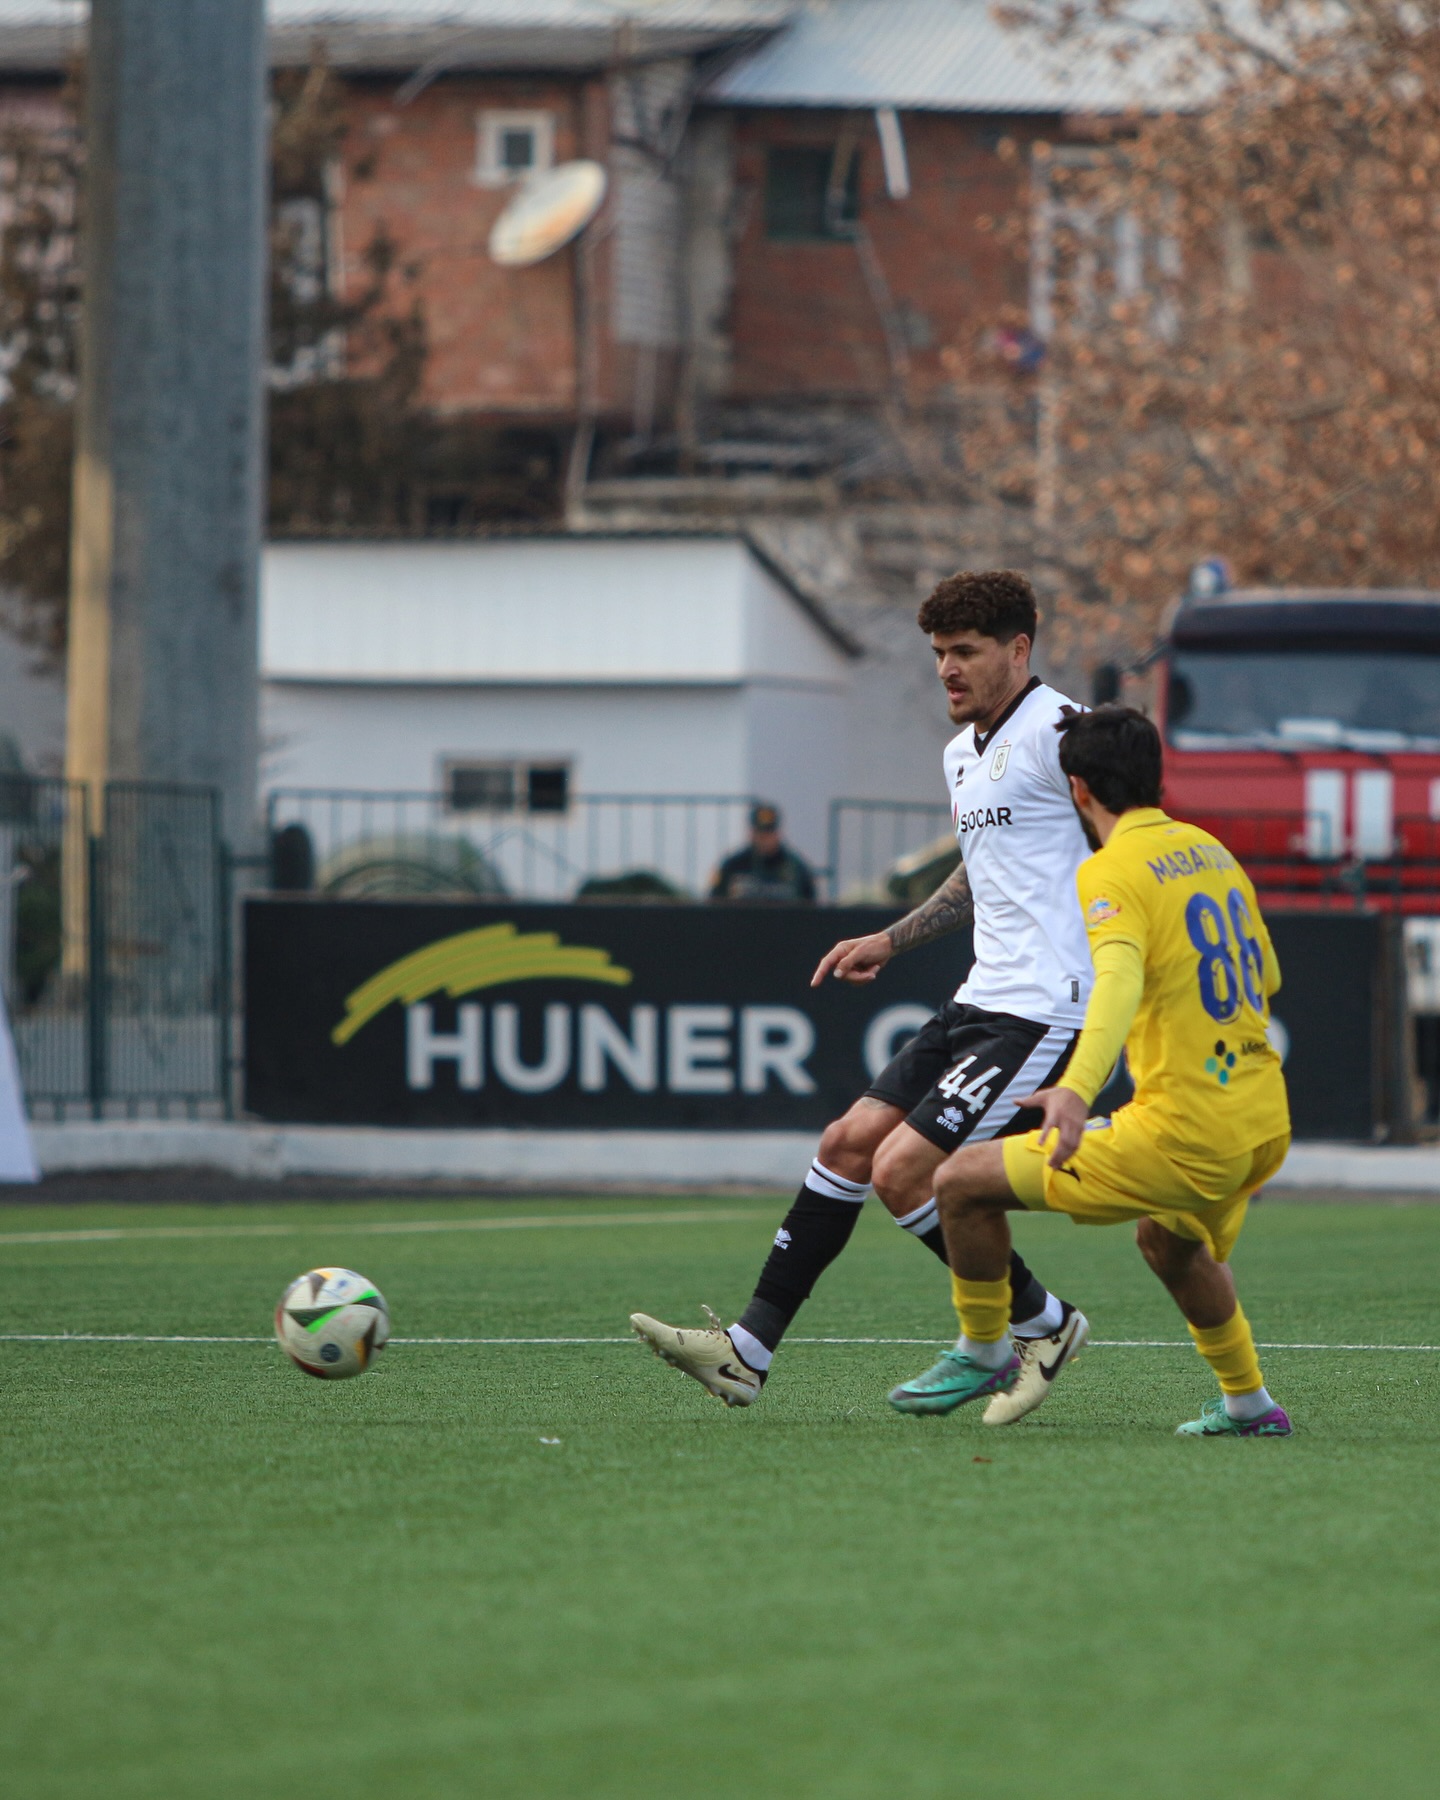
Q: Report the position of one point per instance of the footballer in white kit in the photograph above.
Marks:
(1014, 1019)
(1008, 1031)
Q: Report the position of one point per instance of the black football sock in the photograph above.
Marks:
(924, 1225)
(816, 1229)
(1029, 1297)
(1028, 1294)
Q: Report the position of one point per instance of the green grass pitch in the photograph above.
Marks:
(222, 1578)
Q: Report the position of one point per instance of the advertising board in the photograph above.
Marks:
(587, 1017)
(580, 1017)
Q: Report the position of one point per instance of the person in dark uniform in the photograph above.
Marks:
(767, 869)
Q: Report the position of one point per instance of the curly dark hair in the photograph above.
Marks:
(998, 603)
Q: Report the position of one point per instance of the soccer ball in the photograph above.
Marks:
(332, 1323)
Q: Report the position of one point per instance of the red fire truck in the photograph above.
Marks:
(1302, 727)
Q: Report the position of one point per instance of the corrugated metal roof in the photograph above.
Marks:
(938, 55)
(701, 13)
(403, 35)
(41, 34)
(947, 55)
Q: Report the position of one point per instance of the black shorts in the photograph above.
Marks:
(958, 1077)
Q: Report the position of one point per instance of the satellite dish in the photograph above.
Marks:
(547, 212)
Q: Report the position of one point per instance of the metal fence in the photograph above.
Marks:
(45, 873)
(116, 919)
(161, 947)
(1302, 860)
(115, 947)
(899, 851)
(361, 844)
(888, 850)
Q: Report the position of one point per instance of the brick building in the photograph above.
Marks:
(798, 226)
(800, 207)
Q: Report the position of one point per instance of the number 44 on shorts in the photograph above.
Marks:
(954, 1086)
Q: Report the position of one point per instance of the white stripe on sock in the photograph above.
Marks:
(920, 1221)
(750, 1350)
(825, 1181)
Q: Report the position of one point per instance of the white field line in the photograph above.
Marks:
(107, 1234)
(95, 1337)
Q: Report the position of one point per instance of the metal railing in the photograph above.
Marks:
(163, 946)
(1302, 860)
(882, 849)
(115, 947)
(116, 920)
(363, 843)
(899, 850)
(45, 934)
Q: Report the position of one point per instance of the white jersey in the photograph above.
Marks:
(1022, 843)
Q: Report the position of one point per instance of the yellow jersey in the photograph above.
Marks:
(1205, 1075)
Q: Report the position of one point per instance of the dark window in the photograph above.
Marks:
(1359, 699)
(481, 787)
(797, 194)
(549, 787)
(517, 148)
(507, 787)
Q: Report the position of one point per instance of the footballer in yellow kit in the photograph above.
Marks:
(1184, 971)
(1210, 1121)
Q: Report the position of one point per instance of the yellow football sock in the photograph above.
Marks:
(984, 1308)
(1230, 1351)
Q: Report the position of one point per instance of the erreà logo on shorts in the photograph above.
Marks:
(694, 1049)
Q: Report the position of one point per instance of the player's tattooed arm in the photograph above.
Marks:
(858, 960)
(947, 909)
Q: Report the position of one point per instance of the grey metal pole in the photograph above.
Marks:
(168, 480)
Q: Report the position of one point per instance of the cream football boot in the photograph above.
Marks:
(706, 1355)
(1041, 1360)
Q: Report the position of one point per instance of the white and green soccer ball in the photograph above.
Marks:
(332, 1323)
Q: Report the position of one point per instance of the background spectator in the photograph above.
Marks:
(767, 869)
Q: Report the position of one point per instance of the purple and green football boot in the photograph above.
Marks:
(952, 1382)
(1214, 1421)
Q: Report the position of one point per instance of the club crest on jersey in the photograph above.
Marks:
(1101, 911)
(1000, 760)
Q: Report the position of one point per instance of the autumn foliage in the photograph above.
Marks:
(1243, 356)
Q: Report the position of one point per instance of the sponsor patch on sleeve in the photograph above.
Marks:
(1100, 911)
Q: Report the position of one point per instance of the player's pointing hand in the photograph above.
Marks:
(1065, 1113)
(855, 959)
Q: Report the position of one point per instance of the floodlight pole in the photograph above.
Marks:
(168, 485)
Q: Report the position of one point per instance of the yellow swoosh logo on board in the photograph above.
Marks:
(488, 957)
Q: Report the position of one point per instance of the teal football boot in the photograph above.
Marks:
(1214, 1421)
(952, 1382)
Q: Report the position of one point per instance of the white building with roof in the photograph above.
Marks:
(502, 672)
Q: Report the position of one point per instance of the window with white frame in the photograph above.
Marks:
(305, 345)
(506, 786)
(1095, 250)
(512, 145)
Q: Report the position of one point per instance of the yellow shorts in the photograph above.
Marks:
(1120, 1172)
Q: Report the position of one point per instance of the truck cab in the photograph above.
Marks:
(1302, 727)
